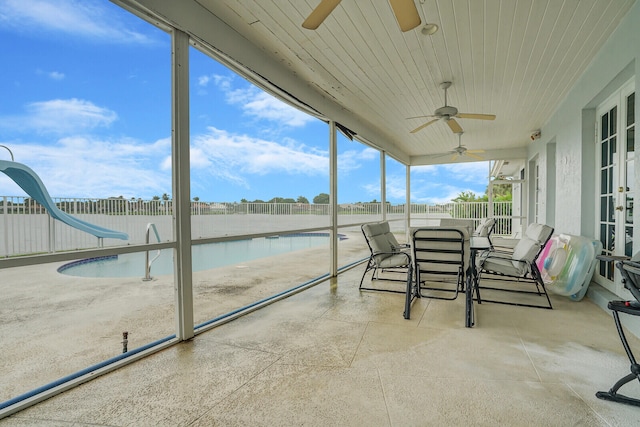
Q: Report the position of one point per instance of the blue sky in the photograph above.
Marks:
(86, 104)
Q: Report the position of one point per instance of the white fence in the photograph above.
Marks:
(26, 228)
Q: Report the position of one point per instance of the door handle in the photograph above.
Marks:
(619, 208)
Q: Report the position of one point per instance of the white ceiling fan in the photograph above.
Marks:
(404, 10)
(461, 150)
(448, 113)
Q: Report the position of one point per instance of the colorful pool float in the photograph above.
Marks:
(597, 248)
(567, 263)
(552, 259)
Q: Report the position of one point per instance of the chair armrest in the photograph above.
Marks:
(402, 247)
(392, 253)
(505, 243)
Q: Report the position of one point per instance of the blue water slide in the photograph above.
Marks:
(31, 183)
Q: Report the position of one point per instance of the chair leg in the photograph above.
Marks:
(612, 395)
(409, 296)
(366, 270)
(537, 281)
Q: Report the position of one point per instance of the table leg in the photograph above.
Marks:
(469, 320)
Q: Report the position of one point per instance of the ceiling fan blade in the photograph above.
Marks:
(475, 151)
(476, 116)
(455, 127)
(420, 117)
(419, 128)
(455, 156)
(475, 156)
(319, 14)
(406, 14)
(435, 156)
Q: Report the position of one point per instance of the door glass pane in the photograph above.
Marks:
(611, 241)
(629, 176)
(604, 152)
(612, 149)
(613, 118)
(631, 111)
(610, 180)
(604, 131)
(628, 247)
(611, 209)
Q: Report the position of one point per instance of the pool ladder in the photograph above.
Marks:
(147, 262)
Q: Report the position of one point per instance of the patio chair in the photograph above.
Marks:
(631, 279)
(387, 255)
(485, 228)
(519, 266)
(440, 261)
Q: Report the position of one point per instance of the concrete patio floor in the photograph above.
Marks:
(334, 356)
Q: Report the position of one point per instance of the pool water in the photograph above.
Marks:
(204, 257)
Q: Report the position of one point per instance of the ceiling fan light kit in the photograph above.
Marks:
(429, 29)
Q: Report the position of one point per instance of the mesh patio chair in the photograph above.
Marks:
(387, 255)
(631, 278)
(440, 261)
(519, 266)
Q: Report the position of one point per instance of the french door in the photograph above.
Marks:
(615, 132)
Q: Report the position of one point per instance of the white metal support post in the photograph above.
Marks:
(383, 185)
(333, 197)
(407, 203)
(5, 219)
(181, 183)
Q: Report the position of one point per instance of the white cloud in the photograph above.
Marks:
(60, 116)
(442, 183)
(91, 167)
(85, 19)
(469, 172)
(55, 75)
(264, 106)
(204, 80)
(256, 103)
(226, 155)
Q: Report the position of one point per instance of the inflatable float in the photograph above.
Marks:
(597, 249)
(567, 264)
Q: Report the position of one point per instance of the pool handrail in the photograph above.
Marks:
(147, 263)
(9, 150)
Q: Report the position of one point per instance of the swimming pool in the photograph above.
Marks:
(204, 257)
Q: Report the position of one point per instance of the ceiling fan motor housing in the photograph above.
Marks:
(446, 111)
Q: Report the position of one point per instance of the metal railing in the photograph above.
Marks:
(25, 228)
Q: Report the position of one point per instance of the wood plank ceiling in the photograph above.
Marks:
(516, 59)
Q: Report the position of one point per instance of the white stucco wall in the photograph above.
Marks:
(572, 129)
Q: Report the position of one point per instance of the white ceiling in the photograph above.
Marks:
(516, 59)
